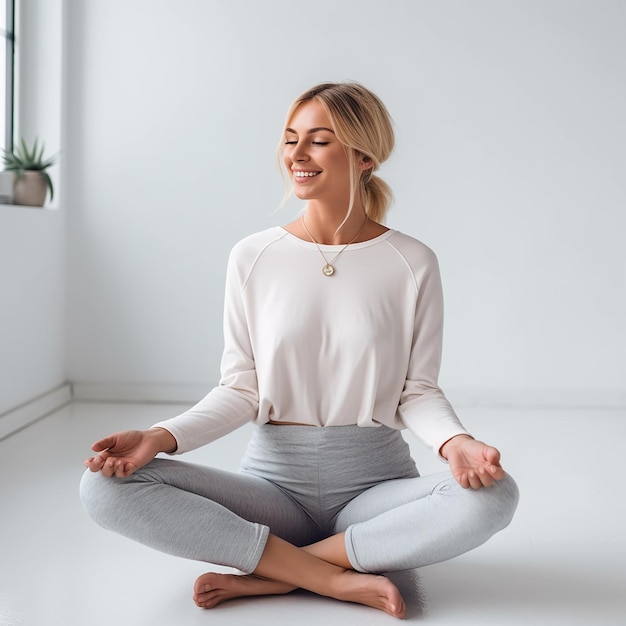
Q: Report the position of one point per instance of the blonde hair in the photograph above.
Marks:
(363, 125)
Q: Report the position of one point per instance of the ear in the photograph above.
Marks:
(365, 163)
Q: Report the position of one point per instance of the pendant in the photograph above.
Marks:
(328, 270)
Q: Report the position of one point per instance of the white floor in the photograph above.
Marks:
(562, 561)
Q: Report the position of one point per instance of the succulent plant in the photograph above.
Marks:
(22, 158)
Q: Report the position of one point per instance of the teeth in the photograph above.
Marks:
(305, 174)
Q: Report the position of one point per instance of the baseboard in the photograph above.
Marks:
(29, 412)
(462, 398)
(18, 418)
(538, 398)
(148, 393)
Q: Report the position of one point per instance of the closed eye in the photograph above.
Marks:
(315, 143)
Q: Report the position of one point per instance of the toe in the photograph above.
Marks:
(206, 600)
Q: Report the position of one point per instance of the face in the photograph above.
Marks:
(316, 160)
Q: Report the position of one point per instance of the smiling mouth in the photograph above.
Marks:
(305, 174)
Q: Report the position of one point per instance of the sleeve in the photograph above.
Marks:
(423, 407)
(235, 400)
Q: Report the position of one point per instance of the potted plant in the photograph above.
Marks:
(32, 182)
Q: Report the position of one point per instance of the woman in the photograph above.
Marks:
(332, 346)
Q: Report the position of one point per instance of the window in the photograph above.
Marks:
(7, 47)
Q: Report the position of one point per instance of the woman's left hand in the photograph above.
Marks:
(473, 463)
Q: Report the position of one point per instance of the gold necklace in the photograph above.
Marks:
(329, 268)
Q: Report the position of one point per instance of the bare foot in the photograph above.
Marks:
(210, 589)
(372, 590)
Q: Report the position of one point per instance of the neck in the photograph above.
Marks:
(327, 228)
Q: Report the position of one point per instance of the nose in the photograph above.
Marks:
(298, 152)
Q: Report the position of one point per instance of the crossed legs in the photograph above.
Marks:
(174, 507)
(441, 520)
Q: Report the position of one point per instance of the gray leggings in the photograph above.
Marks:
(303, 484)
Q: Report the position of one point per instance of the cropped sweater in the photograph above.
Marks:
(362, 346)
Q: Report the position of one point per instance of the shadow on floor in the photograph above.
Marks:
(410, 586)
(518, 585)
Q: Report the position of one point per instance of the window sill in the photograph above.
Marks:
(45, 207)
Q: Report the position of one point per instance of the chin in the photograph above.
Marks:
(302, 194)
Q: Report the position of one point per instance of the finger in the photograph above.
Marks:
(104, 444)
(129, 468)
(492, 455)
(108, 468)
(474, 480)
(121, 469)
(497, 472)
(95, 463)
(485, 477)
(100, 459)
(462, 479)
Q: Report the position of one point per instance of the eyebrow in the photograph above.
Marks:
(311, 131)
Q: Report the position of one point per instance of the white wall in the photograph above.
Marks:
(33, 241)
(32, 309)
(509, 163)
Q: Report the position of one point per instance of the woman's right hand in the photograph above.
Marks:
(123, 453)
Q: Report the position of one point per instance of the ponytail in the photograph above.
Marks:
(377, 197)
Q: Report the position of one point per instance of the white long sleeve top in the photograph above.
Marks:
(360, 347)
